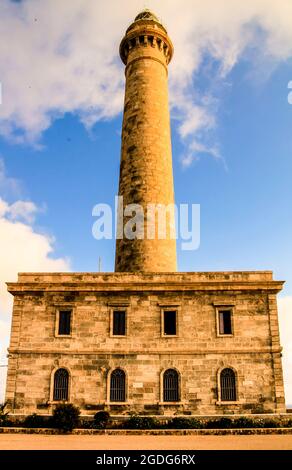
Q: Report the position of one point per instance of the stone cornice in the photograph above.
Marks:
(263, 350)
(139, 282)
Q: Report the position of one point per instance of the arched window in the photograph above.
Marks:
(61, 385)
(118, 385)
(228, 385)
(170, 385)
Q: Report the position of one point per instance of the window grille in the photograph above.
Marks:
(61, 385)
(228, 385)
(170, 385)
(118, 385)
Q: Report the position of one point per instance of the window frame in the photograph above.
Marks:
(161, 391)
(64, 308)
(224, 308)
(52, 384)
(119, 308)
(219, 393)
(169, 308)
(178, 386)
(108, 398)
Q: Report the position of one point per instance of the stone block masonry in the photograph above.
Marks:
(90, 353)
(146, 160)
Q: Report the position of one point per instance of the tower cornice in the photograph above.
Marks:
(146, 33)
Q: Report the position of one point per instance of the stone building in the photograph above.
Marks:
(146, 338)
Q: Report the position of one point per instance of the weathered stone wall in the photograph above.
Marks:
(146, 160)
(196, 352)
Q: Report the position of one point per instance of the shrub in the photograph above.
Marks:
(184, 423)
(244, 423)
(101, 419)
(34, 421)
(259, 423)
(271, 423)
(86, 424)
(66, 417)
(141, 422)
(4, 421)
(222, 423)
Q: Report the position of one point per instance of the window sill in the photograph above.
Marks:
(168, 336)
(225, 336)
(58, 402)
(228, 402)
(63, 336)
(118, 336)
(172, 403)
(115, 403)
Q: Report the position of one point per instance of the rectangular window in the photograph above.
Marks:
(119, 322)
(64, 322)
(169, 319)
(225, 324)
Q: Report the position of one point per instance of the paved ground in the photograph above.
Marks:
(41, 442)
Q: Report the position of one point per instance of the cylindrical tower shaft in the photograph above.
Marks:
(146, 159)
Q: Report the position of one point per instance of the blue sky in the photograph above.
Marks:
(245, 200)
(231, 135)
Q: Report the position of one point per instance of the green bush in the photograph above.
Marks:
(101, 420)
(241, 422)
(271, 423)
(288, 424)
(184, 423)
(34, 421)
(244, 423)
(4, 421)
(141, 422)
(222, 423)
(259, 423)
(66, 417)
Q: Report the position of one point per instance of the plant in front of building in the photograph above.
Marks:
(141, 422)
(101, 420)
(4, 421)
(222, 423)
(244, 422)
(34, 421)
(184, 423)
(272, 423)
(66, 417)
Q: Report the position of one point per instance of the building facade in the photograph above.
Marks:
(146, 338)
(195, 324)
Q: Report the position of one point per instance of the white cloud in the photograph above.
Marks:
(7, 184)
(63, 57)
(21, 249)
(25, 210)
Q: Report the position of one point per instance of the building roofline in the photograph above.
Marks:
(179, 281)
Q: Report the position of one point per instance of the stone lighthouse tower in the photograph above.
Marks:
(146, 160)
